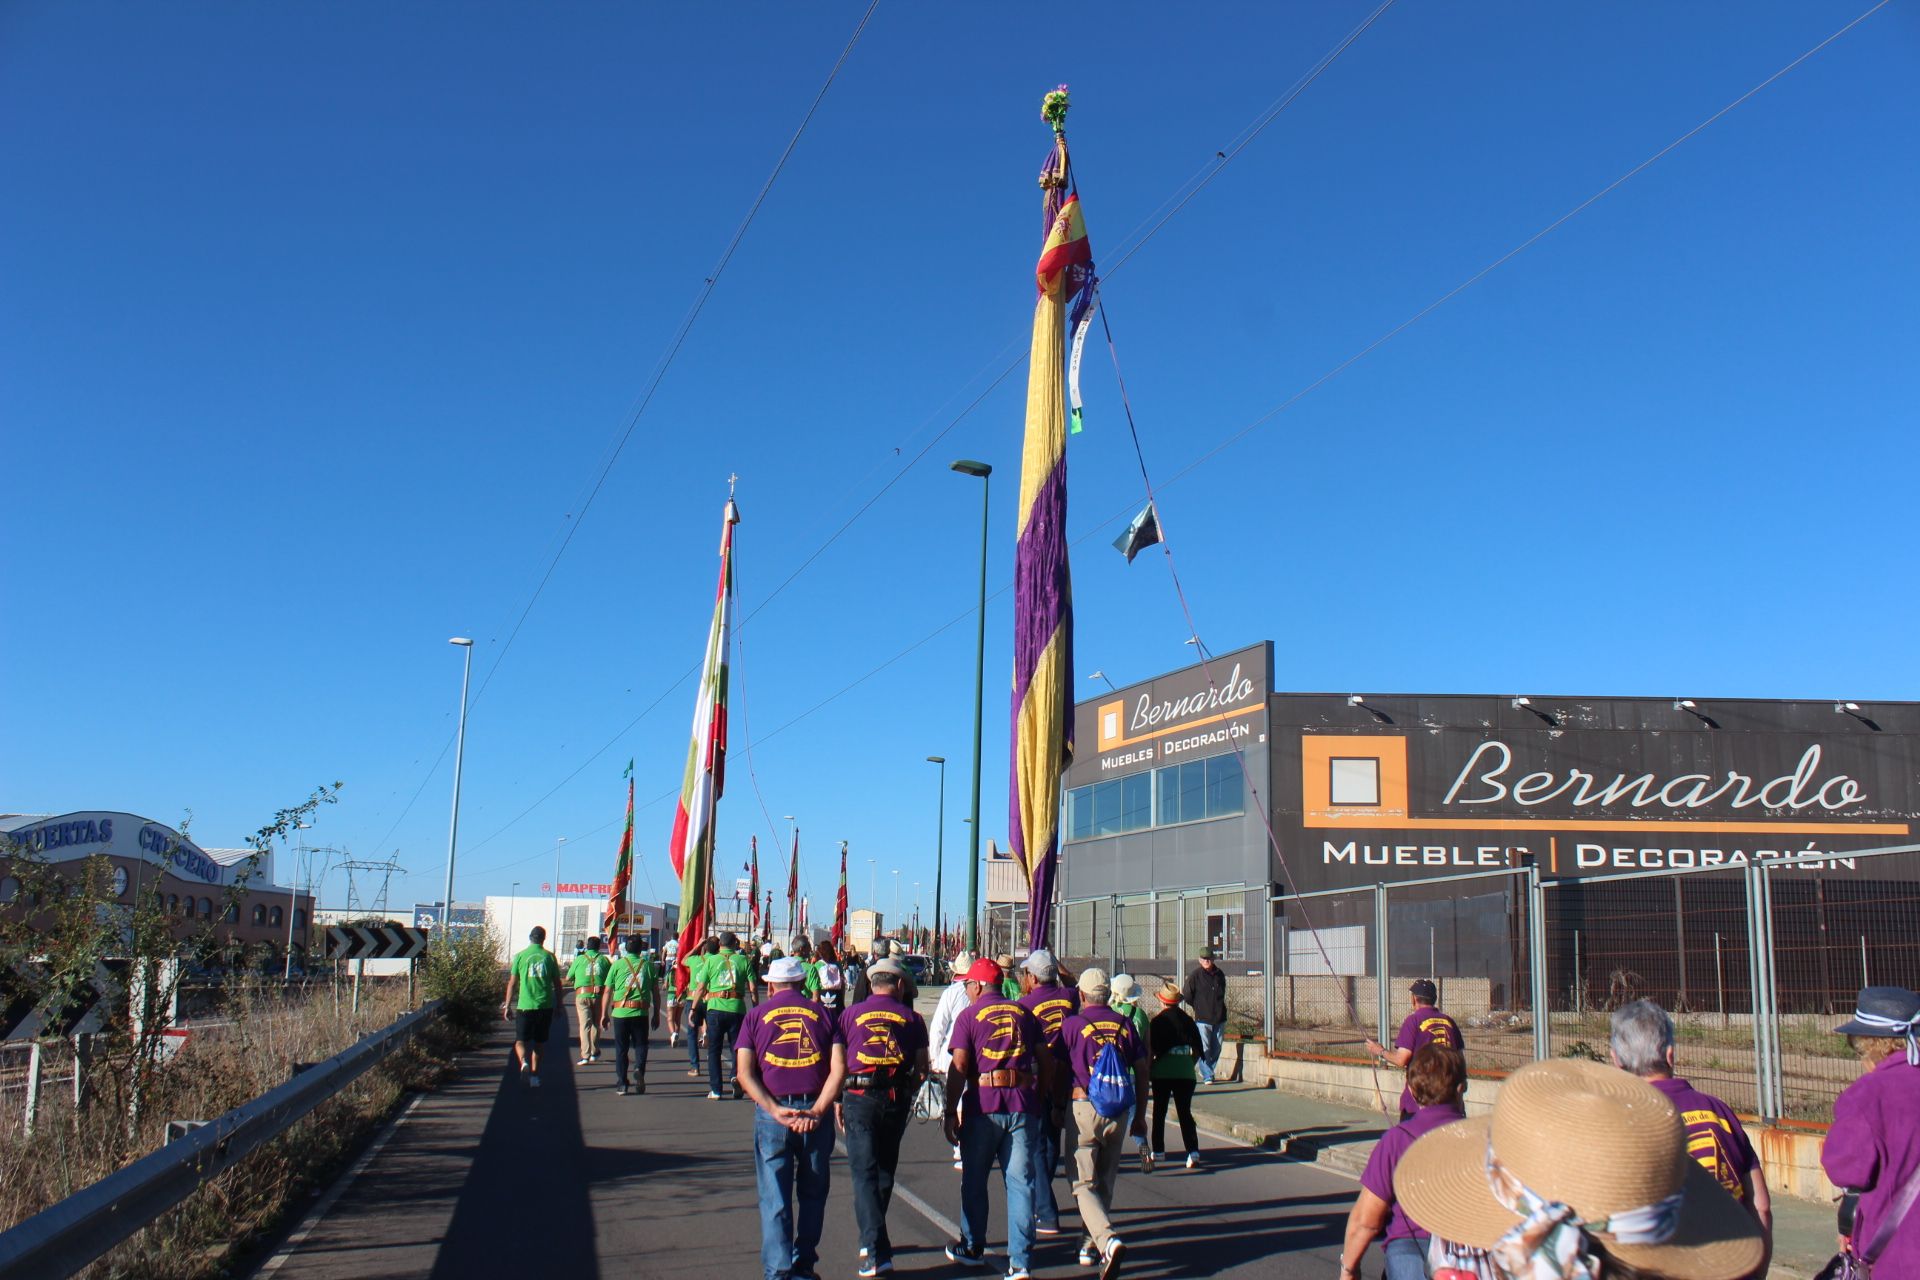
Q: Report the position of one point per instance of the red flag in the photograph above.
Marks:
(622, 873)
(793, 885)
(753, 894)
(692, 845)
(840, 903)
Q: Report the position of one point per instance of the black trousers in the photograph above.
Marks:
(1181, 1093)
(875, 1124)
(630, 1034)
(723, 1035)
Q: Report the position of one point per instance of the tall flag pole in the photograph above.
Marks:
(793, 887)
(840, 903)
(753, 894)
(691, 848)
(622, 873)
(1042, 716)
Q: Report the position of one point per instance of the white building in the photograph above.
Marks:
(569, 918)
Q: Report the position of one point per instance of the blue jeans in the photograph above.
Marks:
(693, 1041)
(1406, 1260)
(722, 1029)
(1010, 1139)
(786, 1163)
(1209, 1048)
(875, 1124)
(1046, 1158)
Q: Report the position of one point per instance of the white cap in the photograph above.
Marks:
(786, 969)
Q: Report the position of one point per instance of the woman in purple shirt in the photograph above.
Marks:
(1874, 1145)
(1437, 1077)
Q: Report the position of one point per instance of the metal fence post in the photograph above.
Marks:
(33, 1085)
(1760, 976)
(1775, 1078)
(1537, 964)
(82, 1052)
(1113, 934)
(1381, 980)
(1267, 954)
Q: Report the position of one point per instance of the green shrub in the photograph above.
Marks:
(465, 971)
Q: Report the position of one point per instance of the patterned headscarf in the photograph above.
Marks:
(1552, 1241)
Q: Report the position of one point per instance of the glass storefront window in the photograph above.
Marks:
(1193, 790)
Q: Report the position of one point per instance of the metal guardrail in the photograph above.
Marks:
(65, 1237)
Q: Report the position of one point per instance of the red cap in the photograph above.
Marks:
(984, 970)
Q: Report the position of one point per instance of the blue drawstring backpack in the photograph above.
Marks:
(1110, 1089)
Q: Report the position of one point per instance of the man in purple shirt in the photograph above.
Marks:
(1001, 1060)
(1438, 1077)
(886, 1061)
(1099, 1140)
(791, 1060)
(1642, 1043)
(1874, 1145)
(1424, 1026)
(1050, 1004)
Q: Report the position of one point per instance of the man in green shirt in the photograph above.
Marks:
(533, 993)
(725, 983)
(632, 994)
(587, 975)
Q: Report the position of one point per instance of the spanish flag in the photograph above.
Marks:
(1042, 720)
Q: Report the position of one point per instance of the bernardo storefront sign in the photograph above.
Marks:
(1183, 714)
(1379, 805)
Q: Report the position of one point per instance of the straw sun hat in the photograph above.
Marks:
(1596, 1140)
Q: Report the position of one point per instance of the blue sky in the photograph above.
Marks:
(317, 322)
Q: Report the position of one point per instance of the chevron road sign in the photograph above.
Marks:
(375, 942)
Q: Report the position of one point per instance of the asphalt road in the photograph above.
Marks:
(487, 1177)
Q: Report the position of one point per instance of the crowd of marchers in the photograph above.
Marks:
(1580, 1171)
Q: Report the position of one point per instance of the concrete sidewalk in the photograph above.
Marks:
(1342, 1138)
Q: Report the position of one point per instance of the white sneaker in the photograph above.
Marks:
(956, 1159)
(712, 1096)
(584, 1060)
(1193, 1159)
(1110, 1259)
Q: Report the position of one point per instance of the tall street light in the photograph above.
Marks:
(459, 758)
(513, 900)
(939, 847)
(293, 898)
(558, 841)
(967, 467)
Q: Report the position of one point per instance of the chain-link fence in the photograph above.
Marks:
(1757, 961)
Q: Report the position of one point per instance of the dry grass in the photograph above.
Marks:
(219, 1069)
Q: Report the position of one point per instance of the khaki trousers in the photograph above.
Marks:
(588, 1007)
(1098, 1144)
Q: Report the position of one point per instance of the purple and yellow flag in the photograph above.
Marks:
(1043, 590)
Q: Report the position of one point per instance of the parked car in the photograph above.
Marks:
(918, 966)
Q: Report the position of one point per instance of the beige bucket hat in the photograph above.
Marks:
(1597, 1140)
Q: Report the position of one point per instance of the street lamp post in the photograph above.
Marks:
(896, 897)
(293, 899)
(459, 759)
(980, 469)
(558, 841)
(513, 901)
(939, 849)
(873, 899)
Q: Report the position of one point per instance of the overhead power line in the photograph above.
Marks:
(665, 363)
(1132, 504)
